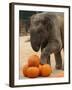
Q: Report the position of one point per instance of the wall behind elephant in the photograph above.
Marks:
(4, 43)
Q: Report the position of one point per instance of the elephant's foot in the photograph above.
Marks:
(43, 61)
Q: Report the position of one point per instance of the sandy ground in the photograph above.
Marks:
(26, 51)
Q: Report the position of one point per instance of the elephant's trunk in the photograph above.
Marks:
(35, 47)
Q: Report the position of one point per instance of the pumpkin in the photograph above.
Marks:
(32, 72)
(45, 70)
(25, 67)
(33, 60)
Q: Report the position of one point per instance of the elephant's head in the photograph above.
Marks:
(38, 31)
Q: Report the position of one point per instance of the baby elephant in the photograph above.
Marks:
(47, 33)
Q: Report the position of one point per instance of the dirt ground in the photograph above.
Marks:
(26, 51)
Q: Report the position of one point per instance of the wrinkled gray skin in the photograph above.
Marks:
(47, 33)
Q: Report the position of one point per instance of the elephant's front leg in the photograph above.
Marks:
(58, 60)
(51, 47)
(45, 59)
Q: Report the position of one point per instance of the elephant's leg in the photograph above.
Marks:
(44, 59)
(52, 47)
(48, 60)
(58, 60)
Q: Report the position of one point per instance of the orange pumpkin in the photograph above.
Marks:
(32, 72)
(46, 70)
(25, 67)
(33, 60)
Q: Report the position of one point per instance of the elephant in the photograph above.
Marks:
(47, 34)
